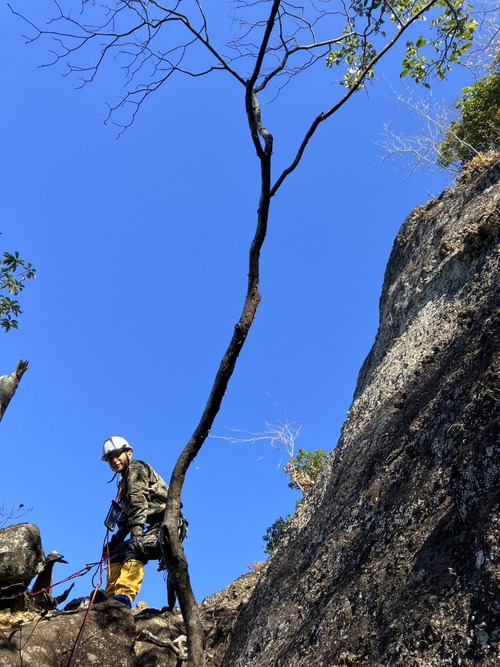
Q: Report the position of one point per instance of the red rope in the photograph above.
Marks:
(80, 573)
(76, 647)
(105, 559)
(87, 567)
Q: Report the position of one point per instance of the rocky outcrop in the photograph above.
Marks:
(21, 554)
(21, 558)
(161, 640)
(111, 635)
(394, 558)
(47, 641)
(9, 384)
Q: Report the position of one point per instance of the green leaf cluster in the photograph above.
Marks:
(275, 534)
(311, 464)
(14, 271)
(477, 129)
(372, 25)
(356, 52)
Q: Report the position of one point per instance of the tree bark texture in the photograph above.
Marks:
(9, 384)
(173, 550)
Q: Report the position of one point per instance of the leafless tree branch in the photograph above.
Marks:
(6, 516)
(280, 435)
(360, 80)
(421, 149)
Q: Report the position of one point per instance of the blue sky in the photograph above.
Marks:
(140, 245)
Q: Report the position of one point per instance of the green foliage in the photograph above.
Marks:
(372, 26)
(305, 466)
(275, 533)
(14, 271)
(303, 470)
(477, 130)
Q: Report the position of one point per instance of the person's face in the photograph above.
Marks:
(119, 462)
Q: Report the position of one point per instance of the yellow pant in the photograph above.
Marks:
(125, 579)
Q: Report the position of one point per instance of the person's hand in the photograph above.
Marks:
(136, 542)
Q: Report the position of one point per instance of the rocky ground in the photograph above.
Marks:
(116, 637)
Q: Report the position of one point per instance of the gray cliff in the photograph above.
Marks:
(394, 559)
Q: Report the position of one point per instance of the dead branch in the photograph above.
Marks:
(176, 646)
(422, 148)
(9, 384)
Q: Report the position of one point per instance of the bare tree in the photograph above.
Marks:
(486, 37)
(281, 436)
(421, 147)
(13, 514)
(276, 41)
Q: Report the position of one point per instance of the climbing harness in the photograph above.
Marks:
(182, 531)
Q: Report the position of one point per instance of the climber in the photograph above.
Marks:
(142, 496)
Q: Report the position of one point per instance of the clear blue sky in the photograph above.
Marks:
(140, 246)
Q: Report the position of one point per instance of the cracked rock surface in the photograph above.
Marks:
(394, 557)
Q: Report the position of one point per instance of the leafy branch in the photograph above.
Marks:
(14, 271)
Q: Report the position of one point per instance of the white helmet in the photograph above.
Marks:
(115, 445)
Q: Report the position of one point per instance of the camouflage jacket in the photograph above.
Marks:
(143, 496)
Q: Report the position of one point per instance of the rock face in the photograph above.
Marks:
(108, 639)
(21, 554)
(394, 559)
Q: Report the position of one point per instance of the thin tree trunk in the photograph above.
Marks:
(172, 547)
(173, 550)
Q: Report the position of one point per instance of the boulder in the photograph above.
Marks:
(116, 636)
(48, 641)
(21, 554)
